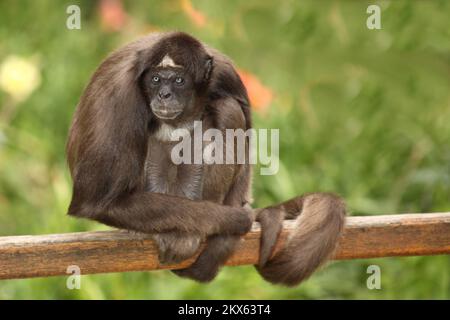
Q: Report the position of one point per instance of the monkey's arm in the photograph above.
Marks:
(154, 213)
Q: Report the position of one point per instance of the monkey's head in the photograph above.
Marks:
(175, 76)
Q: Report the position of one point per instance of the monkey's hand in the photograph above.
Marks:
(176, 247)
(271, 220)
(237, 221)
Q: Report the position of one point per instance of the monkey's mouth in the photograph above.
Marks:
(167, 114)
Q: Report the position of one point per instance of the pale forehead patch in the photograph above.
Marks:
(168, 62)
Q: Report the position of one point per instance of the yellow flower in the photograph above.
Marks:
(19, 77)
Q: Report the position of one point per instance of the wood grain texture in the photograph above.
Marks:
(119, 251)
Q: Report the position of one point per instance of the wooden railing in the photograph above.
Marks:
(118, 251)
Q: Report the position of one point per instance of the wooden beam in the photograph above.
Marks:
(119, 251)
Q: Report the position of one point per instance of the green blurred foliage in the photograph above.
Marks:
(365, 113)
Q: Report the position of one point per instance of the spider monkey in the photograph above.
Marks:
(119, 154)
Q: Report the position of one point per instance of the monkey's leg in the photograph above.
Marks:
(218, 249)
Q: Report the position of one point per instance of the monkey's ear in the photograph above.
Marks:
(208, 68)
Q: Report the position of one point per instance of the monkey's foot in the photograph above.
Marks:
(174, 248)
(206, 267)
(198, 273)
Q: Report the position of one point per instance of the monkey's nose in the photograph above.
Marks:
(164, 95)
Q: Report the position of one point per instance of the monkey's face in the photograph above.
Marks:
(170, 92)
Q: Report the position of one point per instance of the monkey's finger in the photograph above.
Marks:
(271, 221)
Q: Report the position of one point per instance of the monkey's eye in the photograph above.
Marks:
(155, 79)
(179, 80)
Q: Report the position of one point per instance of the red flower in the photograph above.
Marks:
(112, 14)
(260, 95)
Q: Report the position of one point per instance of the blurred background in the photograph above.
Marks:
(364, 113)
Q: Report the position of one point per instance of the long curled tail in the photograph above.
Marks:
(319, 220)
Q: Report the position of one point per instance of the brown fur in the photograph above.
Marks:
(123, 176)
(319, 220)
